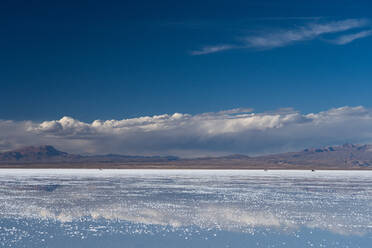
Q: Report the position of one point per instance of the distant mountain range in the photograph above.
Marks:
(36, 154)
(347, 156)
(49, 154)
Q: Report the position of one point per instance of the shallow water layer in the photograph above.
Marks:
(180, 208)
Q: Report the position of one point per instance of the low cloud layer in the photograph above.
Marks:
(346, 31)
(217, 133)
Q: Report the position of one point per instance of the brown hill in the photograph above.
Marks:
(49, 154)
(347, 156)
(36, 154)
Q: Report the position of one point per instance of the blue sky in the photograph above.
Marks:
(127, 59)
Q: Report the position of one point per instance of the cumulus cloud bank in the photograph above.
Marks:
(216, 133)
(285, 37)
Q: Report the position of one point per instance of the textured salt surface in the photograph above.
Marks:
(168, 208)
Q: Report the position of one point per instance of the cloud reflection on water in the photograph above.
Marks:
(238, 201)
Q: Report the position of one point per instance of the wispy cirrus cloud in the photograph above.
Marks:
(285, 37)
(345, 39)
(185, 135)
(213, 49)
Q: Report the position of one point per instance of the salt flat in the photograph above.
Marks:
(46, 206)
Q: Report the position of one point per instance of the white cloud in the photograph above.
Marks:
(285, 37)
(224, 132)
(345, 39)
(212, 49)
